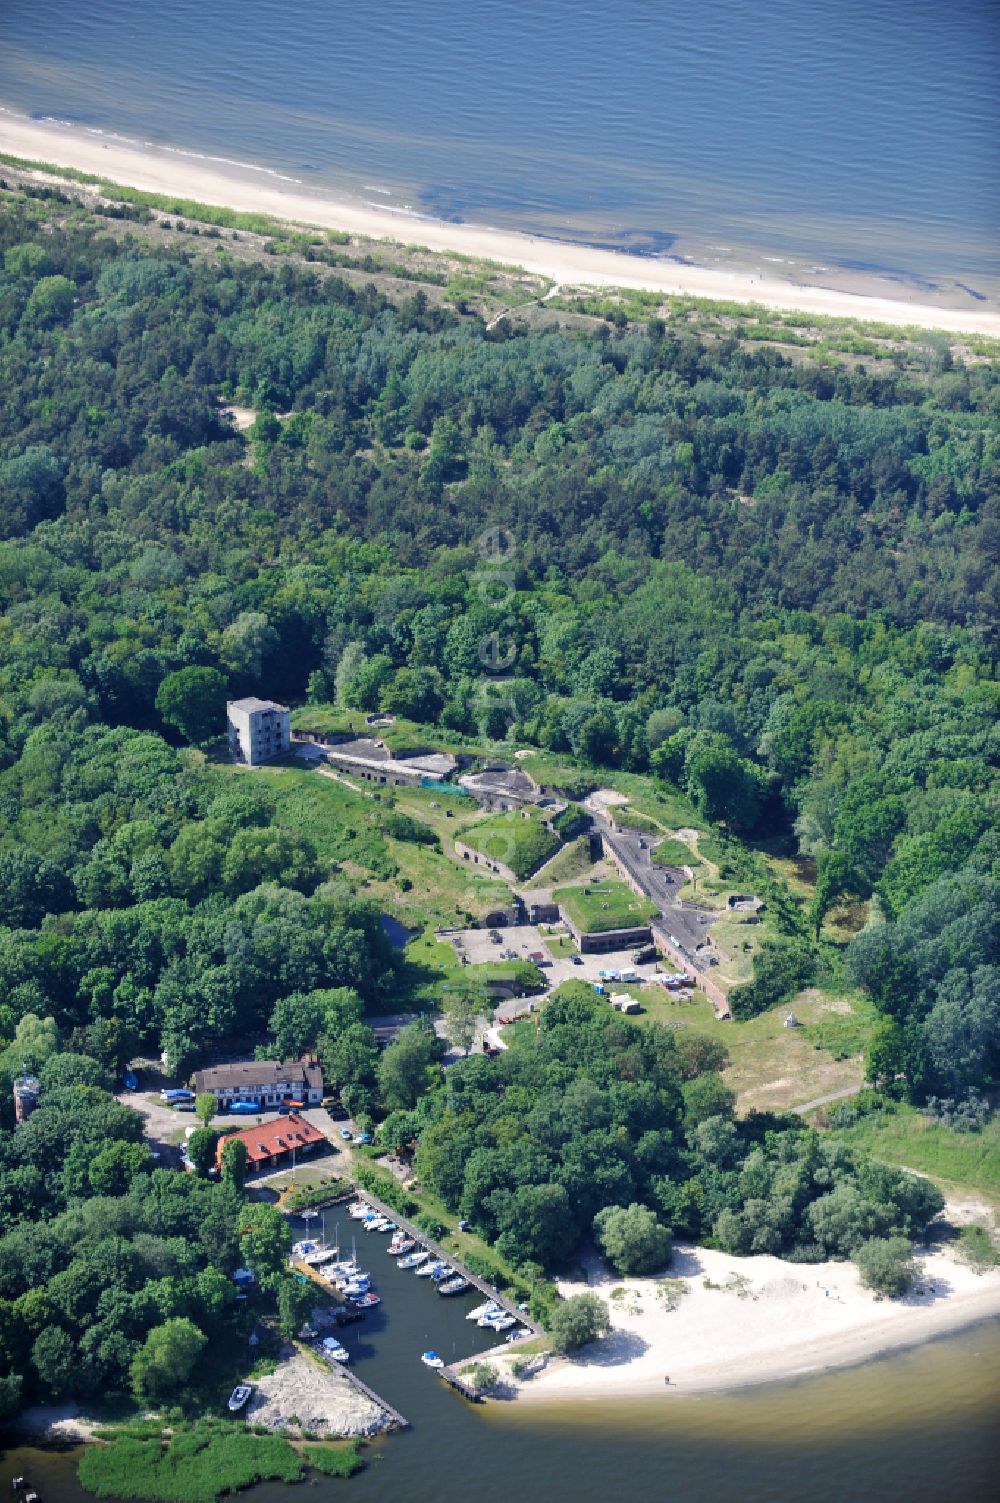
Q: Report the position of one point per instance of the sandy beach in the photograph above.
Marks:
(782, 1320)
(163, 170)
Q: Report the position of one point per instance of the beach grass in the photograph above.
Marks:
(341, 1460)
(194, 1465)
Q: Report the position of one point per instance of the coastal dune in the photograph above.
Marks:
(186, 174)
(753, 1320)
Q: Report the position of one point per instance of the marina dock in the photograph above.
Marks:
(484, 1287)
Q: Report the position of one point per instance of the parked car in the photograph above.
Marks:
(336, 1112)
(346, 1134)
(364, 1137)
(577, 959)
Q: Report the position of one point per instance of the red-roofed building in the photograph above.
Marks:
(273, 1142)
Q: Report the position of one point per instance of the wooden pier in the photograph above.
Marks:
(397, 1419)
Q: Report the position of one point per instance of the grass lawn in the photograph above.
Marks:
(738, 943)
(956, 1160)
(772, 1067)
(673, 852)
(522, 844)
(609, 905)
(567, 865)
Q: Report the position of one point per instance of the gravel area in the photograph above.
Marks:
(302, 1395)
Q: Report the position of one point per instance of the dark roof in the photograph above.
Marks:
(260, 1072)
(252, 703)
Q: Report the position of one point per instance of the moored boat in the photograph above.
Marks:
(431, 1359)
(366, 1301)
(400, 1244)
(413, 1259)
(489, 1308)
(501, 1322)
(457, 1285)
(333, 1349)
(428, 1270)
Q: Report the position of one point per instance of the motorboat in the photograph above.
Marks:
(413, 1259)
(370, 1221)
(334, 1350)
(400, 1244)
(365, 1301)
(359, 1208)
(431, 1359)
(439, 1275)
(385, 1225)
(489, 1308)
(360, 1285)
(499, 1322)
(239, 1398)
(457, 1285)
(428, 1270)
(359, 1276)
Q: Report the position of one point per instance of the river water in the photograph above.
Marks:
(858, 134)
(922, 1426)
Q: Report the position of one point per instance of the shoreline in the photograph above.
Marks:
(783, 1327)
(247, 188)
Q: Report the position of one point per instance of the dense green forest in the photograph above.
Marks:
(769, 584)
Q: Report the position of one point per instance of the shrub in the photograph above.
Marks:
(482, 1375)
(578, 1320)
(886, 1265)
(386, 1188)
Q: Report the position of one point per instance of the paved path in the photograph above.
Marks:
(833, 1096)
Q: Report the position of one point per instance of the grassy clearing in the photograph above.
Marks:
(196, 1465)
(571, 862)
(773, 1068)
(901, 1135)
(976, 1247)
(609, 905)
(335, 1460)
(673, 852)
(521, 843)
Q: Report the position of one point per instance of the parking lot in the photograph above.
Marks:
(526, 939)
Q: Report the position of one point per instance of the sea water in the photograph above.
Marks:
(856, 135)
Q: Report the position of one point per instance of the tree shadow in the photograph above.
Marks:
(614, 1350)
